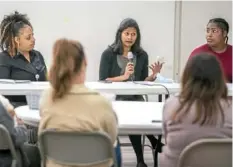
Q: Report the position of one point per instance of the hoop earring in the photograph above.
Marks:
(226, 39)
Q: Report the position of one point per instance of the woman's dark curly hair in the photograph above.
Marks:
(10, 28)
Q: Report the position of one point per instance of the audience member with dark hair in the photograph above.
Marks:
(201, 110)
(115, 67)
(69, 105)
(217, 37)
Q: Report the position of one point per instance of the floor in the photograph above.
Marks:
(128, 155)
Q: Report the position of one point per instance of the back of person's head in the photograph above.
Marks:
(118, 44)
(68, 67)
(12, 35)
(202, 84)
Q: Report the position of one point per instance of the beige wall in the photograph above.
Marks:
(171, 29)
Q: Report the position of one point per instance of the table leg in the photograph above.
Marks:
(160, 97)
(159, 136)
(144, 136)
(156, 151)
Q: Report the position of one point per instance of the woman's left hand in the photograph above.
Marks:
(156, 67)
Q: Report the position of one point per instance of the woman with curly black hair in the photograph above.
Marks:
(18, 59)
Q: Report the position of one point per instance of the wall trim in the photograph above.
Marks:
(177, 40)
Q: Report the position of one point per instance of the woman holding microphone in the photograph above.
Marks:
(125, 60)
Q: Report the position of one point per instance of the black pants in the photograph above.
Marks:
(137, 145)
(136, 139)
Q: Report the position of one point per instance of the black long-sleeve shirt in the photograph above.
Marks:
(109, 67)
(18, 68)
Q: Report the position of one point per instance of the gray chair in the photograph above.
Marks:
(76, 148)
(207, 153)
(7, 144)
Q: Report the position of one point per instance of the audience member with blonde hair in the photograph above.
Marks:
(69, 105)
(201, 110)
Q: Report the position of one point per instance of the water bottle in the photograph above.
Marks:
(161, 79)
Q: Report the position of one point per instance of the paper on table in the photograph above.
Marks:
(7, 81)
(22, 81)
(11, 81)
(148, 83)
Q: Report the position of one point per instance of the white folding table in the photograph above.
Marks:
(119, 88)
(133, 117)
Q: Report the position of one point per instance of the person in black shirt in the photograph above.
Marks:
(18, 59)
(115, 67)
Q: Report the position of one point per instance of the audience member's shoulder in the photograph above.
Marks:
(227, 109)
(4, 57)
(99, 100)
(172, 100)
(47, 92)
(227, 105)
(171, 104)
(45, 96)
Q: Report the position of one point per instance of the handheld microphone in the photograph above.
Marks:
(130, 58)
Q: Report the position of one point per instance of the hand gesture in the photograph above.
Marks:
(156, 67)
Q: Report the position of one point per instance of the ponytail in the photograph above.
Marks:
(60, 79)
(68, 57)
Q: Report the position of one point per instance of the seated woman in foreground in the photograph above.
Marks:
(201, 110)
(69, 105)
(27, 154)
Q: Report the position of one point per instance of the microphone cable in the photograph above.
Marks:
(153, 84)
